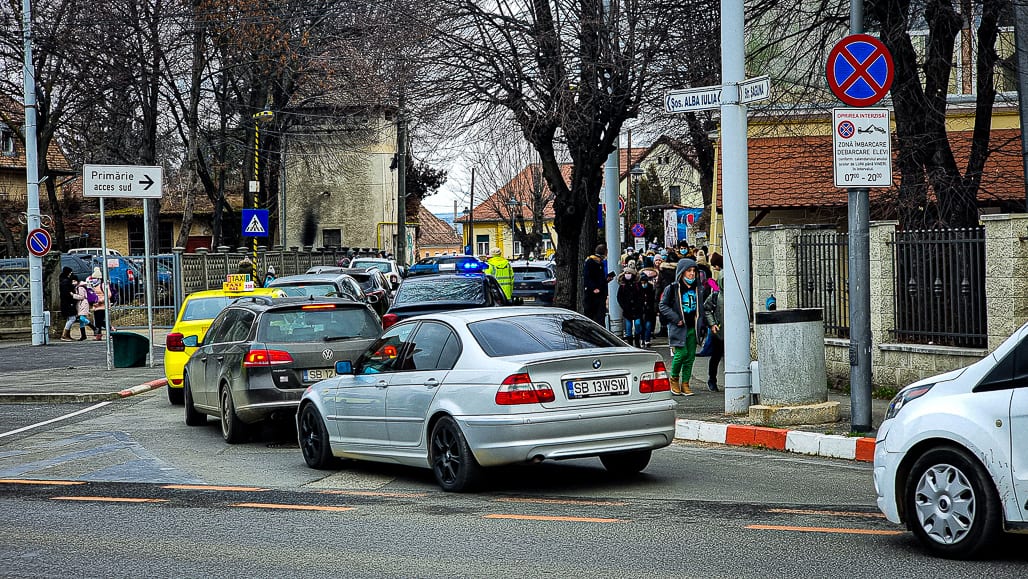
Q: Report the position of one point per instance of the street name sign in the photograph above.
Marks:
(862, 147)
(859, 70)
(134, 181)
(38, 242)
(755, 89)
(693, 99)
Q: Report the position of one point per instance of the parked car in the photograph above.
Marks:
(194, 318)
(461, 391)
(393, 272)
(447, 264)
(125, 276)
(372, 282)
(950, 458)
(261, 353)
(321, 284)
(79, 264)
(94, 251)
(423, 294)
(535, 282)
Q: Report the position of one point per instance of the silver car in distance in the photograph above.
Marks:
(463, 390)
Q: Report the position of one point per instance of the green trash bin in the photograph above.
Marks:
(130, 349)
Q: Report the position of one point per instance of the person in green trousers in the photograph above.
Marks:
(680, 311)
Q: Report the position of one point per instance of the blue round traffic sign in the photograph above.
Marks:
(859, 70)
(38, 242)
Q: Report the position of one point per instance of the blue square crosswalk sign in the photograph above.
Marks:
(255, 222)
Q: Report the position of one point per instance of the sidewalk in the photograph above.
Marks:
(64, 372)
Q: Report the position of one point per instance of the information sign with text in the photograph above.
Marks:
(862, 147)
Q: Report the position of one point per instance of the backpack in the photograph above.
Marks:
(91, 296)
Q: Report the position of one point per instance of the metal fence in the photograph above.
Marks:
(940, 287)
(821, 267)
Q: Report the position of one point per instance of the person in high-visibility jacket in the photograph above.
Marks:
(500, 268)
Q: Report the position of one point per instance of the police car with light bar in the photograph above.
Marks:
(447, 264)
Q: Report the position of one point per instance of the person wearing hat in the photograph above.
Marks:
(66, 287)
(648, 290)
(594, 284)
(631, 301)
(270, 277)
(499, 268)
(99, 306)
(680, 311)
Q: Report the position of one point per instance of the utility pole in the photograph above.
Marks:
(32, 181)
(401, 185)
(611, 216)
(858, 216)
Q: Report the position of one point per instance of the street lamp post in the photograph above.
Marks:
(512, 204)
(467, 230)
(255, 185)
(637, 172)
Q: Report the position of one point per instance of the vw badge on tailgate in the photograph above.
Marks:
(327, 354)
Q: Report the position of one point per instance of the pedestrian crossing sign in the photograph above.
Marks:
(255, 222)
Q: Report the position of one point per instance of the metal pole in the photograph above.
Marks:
(108, 306)
(858, 217)
(32, 181)
(401, 185)
(257, 187)
(736, 276)
(471, 218)
(148, 275)
(1020, 28)
(612, 217)
(282, 195)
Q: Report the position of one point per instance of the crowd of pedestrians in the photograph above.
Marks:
(674, 293)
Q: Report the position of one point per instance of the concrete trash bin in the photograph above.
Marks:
(791, 352)
(129, 349)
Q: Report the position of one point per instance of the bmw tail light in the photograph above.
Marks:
(174, 342)
(519, 389)
(263, 358)
(388, 320)
(655, 381)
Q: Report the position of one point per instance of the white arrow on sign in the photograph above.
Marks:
(693, 99)
(755, 89)
(136, 181)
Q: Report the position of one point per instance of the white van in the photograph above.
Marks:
(95, 251)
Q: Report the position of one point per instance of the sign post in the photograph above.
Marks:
(133, 182)
(860, 72)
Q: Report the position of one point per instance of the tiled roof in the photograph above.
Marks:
(55, 159)
(434, 231)
(787, 172)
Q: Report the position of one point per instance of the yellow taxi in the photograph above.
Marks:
(196, 315)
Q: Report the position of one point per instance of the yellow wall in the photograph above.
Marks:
(499, 236)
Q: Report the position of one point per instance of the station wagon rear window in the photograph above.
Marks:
(310, 325)
(516, 335)
(451, 289)
(305, 290)
(531, 274)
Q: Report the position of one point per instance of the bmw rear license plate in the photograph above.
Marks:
(608, 386)
(318, 374)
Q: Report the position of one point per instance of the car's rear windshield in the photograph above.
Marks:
(381, 266)
(309, 289)
(441, 289)
(204, 308)
(531, 274)
(516, 335)
(317, 323)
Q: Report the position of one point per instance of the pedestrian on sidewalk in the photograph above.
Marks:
(82, 304)
(99, 306)
(631, 301)
(714, 312)
(680, 311)
(594, 282)
(649, 300)
(66, 287)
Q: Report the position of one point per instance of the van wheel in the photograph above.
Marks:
(951, 503)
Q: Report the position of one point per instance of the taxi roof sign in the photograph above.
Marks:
(238, 282)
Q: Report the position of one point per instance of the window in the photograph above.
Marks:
(332, 237)
(517, 248)
(516, 335)
(6, 142)
(383, 354)
(676, 195)
(547, 242)
(482, 245)
(434, 347)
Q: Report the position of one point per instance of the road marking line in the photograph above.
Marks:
(110, 499)
(211, 488)
(14, 481)
(291, 507)
(52, 420)
(559, 501)
(823, 530)
(546, 518)
(830, 513)
(376, 494)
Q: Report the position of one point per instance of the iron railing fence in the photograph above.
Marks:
(821, 268)
(940, 287)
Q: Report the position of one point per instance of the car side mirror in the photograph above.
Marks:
(191, 341)
(344, 367)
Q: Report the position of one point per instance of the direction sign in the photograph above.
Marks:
(859, 70)
(692, 99)
(755, 89)
(135, 181)
(638, 230)
(39, 242)
(255, 222)
(862, 147)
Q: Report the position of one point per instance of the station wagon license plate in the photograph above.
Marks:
(609, 386)
(318, 374)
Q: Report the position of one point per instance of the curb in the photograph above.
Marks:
(58, 398)
(797, 441)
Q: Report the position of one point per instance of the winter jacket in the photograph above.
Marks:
(672, 310)
(666, 276)
(81, 301)
(67, 289)
(714, 312)
(594, 276)
(649, 300)
(630, 298)
(500, 268)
